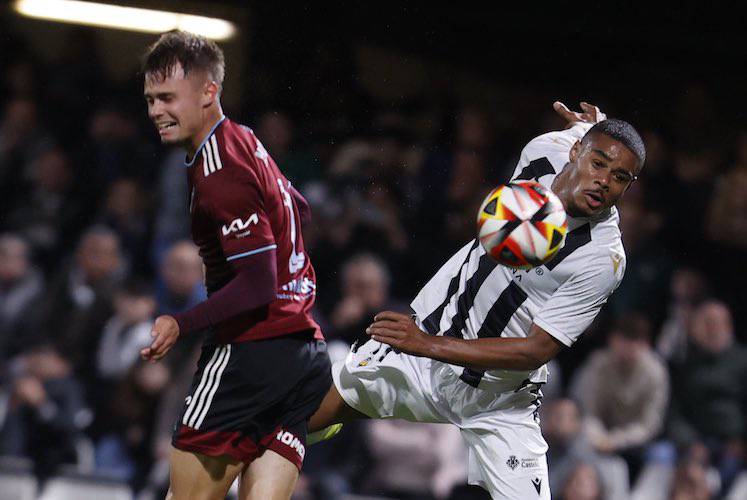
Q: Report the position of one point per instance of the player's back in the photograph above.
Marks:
(241, 205)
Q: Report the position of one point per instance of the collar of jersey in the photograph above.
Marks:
(202, 144)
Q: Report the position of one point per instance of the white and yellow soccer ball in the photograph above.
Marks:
(522, 224)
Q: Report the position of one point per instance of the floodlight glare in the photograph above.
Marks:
(125, 18)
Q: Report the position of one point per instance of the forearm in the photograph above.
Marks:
(486, 354)
(254, 286)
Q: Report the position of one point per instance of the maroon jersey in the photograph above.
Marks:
(241, 205)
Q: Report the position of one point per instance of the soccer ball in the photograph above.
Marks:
(522, 224)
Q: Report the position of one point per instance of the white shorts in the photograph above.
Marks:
(505, 445)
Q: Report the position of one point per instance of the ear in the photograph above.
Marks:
(573, 154)
(209, 93)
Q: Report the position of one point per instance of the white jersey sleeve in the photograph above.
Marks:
(548, 153)
(575, 304)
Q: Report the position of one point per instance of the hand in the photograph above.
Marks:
(165, 332)
(603, 444)
(30, 391)
(401, 332)
(590, 114)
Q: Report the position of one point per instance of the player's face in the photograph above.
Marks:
(176, 104)
(602, 169)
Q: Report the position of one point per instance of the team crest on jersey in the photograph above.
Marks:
(617, 259)
(512, 462)
(240, 226)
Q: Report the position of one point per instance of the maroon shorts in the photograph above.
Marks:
(253, 396)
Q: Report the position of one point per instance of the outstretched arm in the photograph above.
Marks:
(401, 332)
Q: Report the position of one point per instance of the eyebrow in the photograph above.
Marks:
(159, 95)
(602, 154)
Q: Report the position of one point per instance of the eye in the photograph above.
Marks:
(621, 177)
(597, 164)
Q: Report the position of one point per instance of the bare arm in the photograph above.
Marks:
(401, 332)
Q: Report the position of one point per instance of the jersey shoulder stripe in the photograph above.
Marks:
(573, 241)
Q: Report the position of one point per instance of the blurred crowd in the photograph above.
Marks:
(94, 244)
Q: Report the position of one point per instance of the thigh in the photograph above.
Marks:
(333, 410)
(380, 382)
(269, 477)
(508, 459)
(200, 477)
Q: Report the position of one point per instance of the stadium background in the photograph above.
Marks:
(394, 122)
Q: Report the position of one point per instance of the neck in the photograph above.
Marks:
(210, 116)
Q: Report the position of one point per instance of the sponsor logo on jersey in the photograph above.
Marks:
(239, 226)
(512, 462)
(292, 442)
(537, 483)
(530, 463)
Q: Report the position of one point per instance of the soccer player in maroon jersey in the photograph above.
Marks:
(264, 368)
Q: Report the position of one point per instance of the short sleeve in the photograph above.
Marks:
(575, 304)
(552, 147)
(243, 225)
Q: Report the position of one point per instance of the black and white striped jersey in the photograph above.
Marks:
(472, 297)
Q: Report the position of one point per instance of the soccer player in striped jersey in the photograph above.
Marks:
(264, 367)
(474, 352)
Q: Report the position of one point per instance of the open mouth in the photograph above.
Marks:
(163, 127)
(594, 199)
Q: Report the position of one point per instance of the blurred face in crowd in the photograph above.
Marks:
(125, 199)
(367, 281)
(134, 308)
(583, 484)
(626, 351)
(561, 422)
(14, 263)
(600, 171)
(182, 107)
(98, 256)
(182, 269)
(711, 327)
(52, 171)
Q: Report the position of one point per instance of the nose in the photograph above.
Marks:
(603, 179)
(155, 110)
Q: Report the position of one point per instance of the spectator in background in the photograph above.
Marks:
(21, 141)
(623, 391)
(727, 214)
(127, 332)
(46, 412)
(78, 303)
(688, 288)
(727, 226)
(414, 461)
(49, 214)
(709, 391)
(277, 132)
(180, 287)
(691, 185)
(125, 211)
(21, 284)
(568, 447)
(648, 268)
(690, 483)
(124, 444)
(583, 483)
(365, 292)
(171, 217)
